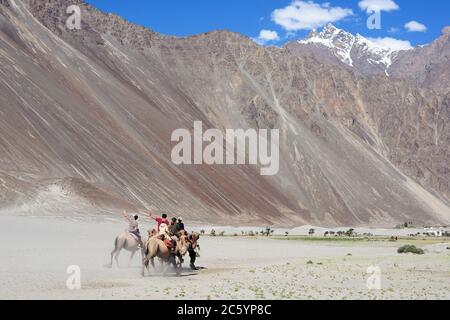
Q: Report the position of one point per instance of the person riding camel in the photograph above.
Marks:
(164, 232)
(180, 224)
(173, 228)
(164, 235)
(133, 228)
(174, 231)
(159, 220)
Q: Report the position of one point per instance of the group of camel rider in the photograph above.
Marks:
(166, 231)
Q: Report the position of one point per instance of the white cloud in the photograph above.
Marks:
(393, 44)
(305, 15)
(378, 5)
(393, 30)
(414, 26)
(267, 36)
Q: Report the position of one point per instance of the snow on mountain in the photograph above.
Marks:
(337, 40)
(353, 50)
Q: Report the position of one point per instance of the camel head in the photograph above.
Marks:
(152, 233)
(183, 244)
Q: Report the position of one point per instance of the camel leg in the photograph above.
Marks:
(131, 258)
(177, 266)
(114, 252)
(148, 265)
(112, 256)
(144, 266)
(116, 257)
(153, 263)
(164, 267)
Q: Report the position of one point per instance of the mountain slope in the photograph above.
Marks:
(427, 66)
(100, 104)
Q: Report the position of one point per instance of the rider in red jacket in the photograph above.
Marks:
(159, 220)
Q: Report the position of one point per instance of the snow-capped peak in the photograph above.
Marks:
(351, 49)
(337, 40)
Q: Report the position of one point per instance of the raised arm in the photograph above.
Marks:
(126, 216)
(151, 216)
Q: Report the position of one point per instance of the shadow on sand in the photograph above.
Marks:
(171, 272)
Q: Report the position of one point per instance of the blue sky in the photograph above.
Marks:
(285, 20)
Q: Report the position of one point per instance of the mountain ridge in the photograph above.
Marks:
(90, 106)
(343, 45)
(339, 47)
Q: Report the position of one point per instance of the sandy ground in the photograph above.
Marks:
(35, 254)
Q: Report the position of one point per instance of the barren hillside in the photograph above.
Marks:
(92, 111)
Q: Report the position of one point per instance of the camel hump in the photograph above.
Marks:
(125, 237)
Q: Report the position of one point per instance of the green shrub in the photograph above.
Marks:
(410, 249)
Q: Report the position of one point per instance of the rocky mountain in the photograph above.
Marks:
(426, 65)
(333, 45)
(87, 117)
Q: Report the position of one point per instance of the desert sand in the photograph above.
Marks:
(36, 253)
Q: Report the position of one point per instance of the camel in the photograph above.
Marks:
(128, 242)
(154, 247)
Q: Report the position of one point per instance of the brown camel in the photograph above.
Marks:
(154, 247)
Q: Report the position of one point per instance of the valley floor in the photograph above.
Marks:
(36, 252)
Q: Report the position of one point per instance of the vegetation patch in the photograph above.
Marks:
(410, 249)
